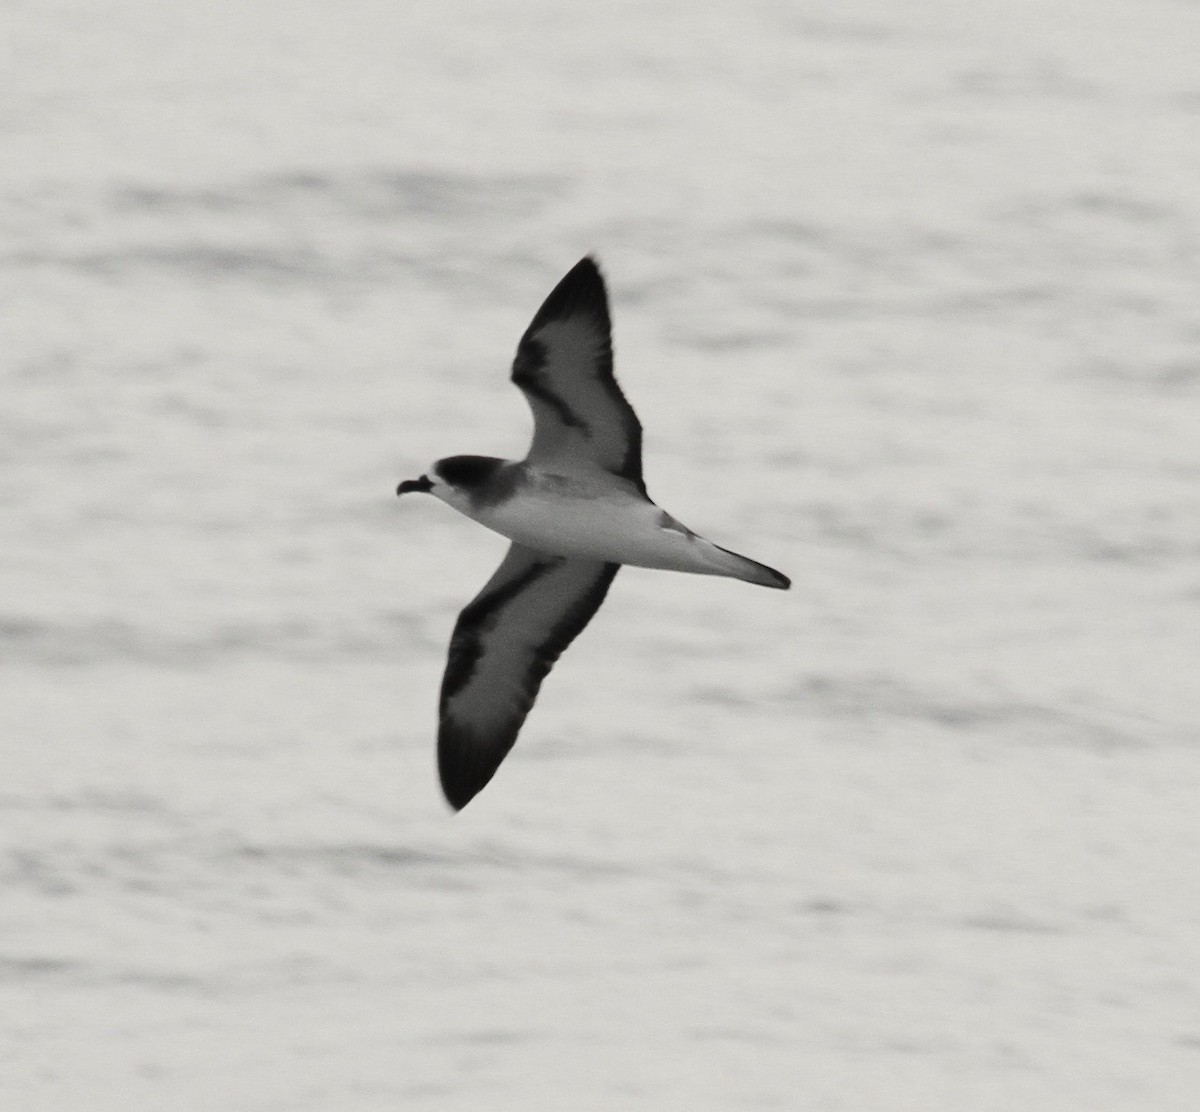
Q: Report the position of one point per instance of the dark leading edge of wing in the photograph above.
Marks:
(504, 643)
(564, 366)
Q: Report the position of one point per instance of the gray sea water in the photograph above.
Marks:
(908, 300)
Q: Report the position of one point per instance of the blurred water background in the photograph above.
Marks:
(908, 300)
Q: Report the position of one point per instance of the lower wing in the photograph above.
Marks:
(504, 643)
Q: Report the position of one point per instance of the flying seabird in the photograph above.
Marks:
(575, 509)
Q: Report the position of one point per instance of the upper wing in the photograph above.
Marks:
(564, 368)
(504, 643)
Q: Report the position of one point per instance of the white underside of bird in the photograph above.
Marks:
(598, 516)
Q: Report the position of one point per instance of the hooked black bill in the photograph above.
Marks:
(420, 486)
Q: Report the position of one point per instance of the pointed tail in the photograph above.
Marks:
(742, 567)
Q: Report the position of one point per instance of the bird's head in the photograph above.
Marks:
(455, 479)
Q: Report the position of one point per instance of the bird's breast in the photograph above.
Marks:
(564, 517)
(555, 518)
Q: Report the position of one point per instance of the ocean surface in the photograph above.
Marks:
(907, 297)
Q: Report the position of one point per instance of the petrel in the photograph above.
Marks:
(575, 509)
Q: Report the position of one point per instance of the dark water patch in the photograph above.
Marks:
(887, 528)
(274, 883)
(719, 696)
(791, 275)
(372, 195)
(1144, 532)
(38, 871)
(351, 859)
(22, 969)
(1053, 262)
(1037, 80)
(1094, 545)
(747, 1035)
(312, 228)
(222, 223)
(1120, 208)
(1011, 922)
(427, 1090)
(1166, 377)
(265, 263)
(17, 971)
(1088, 230)
(485, 1037)
(231, 874)
(823, 908)
(31, 641)
(159, 980)
(804, 23)
(571, 745)
(734, 342)
(878, 699)
(530, 860)
(90, 800)
(1147, 534)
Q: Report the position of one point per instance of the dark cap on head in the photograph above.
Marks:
(468, 473)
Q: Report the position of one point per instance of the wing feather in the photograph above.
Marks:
(505, 642)
(564, 367)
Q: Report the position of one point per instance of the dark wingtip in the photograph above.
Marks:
(581, 289)
(460, 783)
(782, 582)
(460, 789)
(465, 764)
(457, 800)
